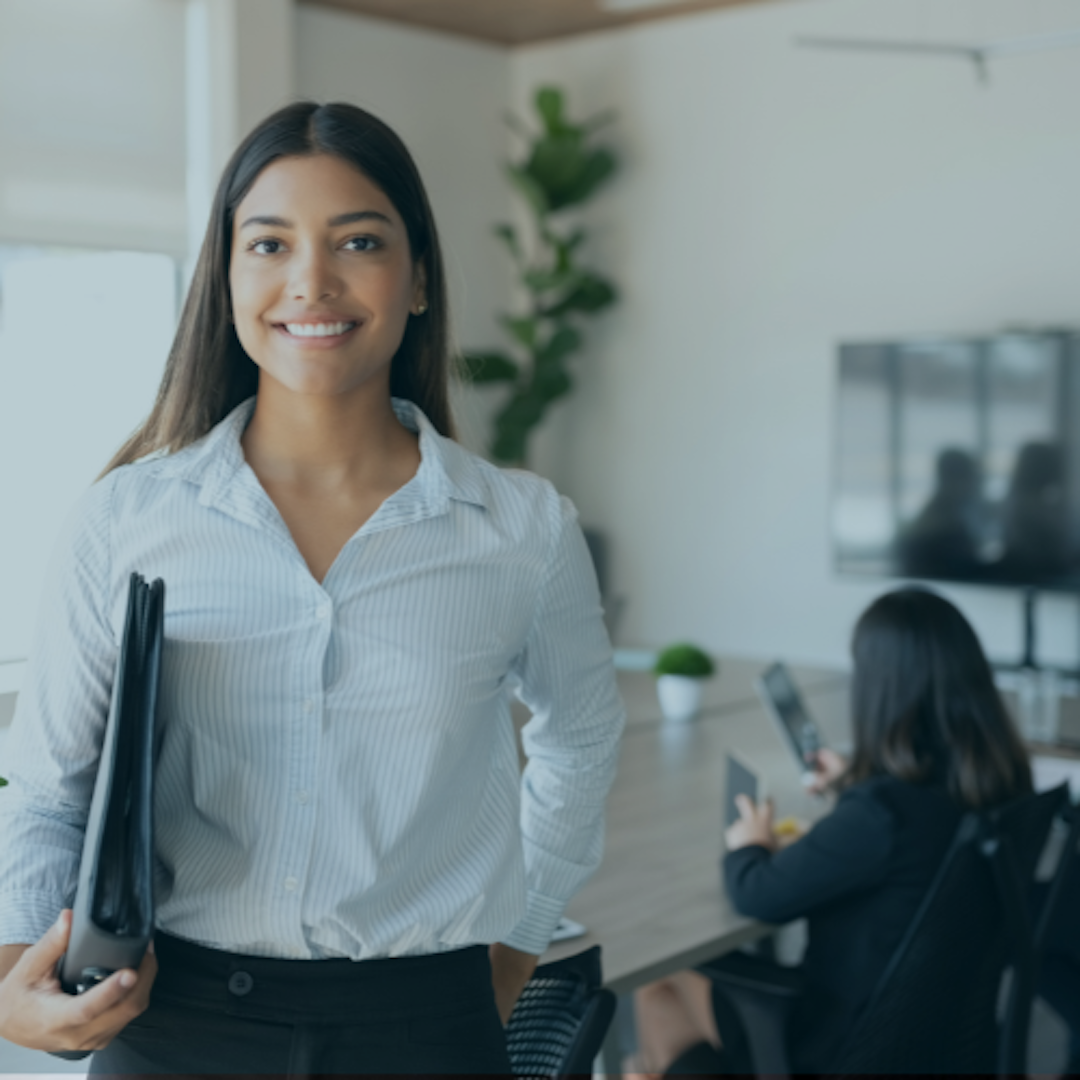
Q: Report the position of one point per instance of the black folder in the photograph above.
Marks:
(113, 915)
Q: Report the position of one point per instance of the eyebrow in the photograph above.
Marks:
(341, 219)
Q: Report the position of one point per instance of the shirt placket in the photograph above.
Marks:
(301, 794)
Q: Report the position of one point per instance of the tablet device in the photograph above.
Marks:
(784, 703)
(741, 780)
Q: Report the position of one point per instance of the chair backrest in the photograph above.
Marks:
(561, 1018)
(934, 1009)
(1063, 883)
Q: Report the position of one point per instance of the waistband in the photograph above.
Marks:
(313, 991)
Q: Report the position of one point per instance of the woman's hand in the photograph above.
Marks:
(36, 1012)
(828, 766)
(755, 825)
(511, 969)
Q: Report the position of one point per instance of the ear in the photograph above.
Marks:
(419, 304)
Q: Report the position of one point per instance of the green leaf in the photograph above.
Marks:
(513, 425)
(549, 104)
(564, 247)
(530, 187)
(545, 280)
(488, 367)
(590, 293)
(565, 170)
(522, 328)
(551, 380)
(3, 782)
(562, 343)
(594, 170)
(684, 659)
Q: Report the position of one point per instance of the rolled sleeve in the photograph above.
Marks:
(55, 740)
(567, 679)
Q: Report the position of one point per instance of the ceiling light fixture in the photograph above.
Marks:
(620, 6)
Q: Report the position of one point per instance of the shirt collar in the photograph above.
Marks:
(447, 470)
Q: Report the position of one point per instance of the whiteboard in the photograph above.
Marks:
(83, 343)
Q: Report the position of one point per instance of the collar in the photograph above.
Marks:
(447, 470)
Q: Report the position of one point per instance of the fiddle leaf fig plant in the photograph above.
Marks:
(561, 169)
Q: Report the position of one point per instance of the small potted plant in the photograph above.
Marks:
(680, 670)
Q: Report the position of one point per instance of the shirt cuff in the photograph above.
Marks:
(26, 917)
(533, 933)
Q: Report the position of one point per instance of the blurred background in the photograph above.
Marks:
(810, 242)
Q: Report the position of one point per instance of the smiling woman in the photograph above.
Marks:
(351, 598)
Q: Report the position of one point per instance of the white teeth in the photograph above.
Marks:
(323, 329)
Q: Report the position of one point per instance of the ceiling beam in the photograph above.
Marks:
(522, 22)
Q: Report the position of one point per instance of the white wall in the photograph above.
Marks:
(446, 98)
(773, 201)
(92, 123)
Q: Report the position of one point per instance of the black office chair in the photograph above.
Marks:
(1065, 875)
(935, 1009)
(559, 1022)
(1057, 935)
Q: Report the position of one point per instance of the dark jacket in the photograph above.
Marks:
(857, 877)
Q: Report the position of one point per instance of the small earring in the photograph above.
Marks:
(421, 308)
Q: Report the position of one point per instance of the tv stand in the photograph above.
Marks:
(1029, 660)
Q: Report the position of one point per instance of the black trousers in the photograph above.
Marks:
(213, 1013)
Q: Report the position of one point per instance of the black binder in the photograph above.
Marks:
(113, 915)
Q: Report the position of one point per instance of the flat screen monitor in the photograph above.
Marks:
(959, 460)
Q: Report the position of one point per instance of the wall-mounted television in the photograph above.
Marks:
(958, 459)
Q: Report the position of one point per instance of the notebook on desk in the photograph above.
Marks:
(740, 779)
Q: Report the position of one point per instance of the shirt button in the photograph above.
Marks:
(240, 983)
(301, 797)
(323, 612)
(291, 884)
(309, 705)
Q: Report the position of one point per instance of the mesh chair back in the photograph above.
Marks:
(561, 1018)
(934, 1010)
(1064, 884)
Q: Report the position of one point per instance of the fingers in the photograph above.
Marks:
(751, 811)
(39, 961)
(117, 990)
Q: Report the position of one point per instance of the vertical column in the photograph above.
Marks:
(240, 66)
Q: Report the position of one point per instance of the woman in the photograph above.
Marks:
(351, 873)
(932, 739)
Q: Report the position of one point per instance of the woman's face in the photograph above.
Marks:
(321, 278)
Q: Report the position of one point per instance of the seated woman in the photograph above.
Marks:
(932, 739)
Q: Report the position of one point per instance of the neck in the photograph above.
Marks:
(319, 441)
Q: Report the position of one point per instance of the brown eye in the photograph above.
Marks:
(363, 243)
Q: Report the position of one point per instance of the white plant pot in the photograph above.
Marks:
(680, 697)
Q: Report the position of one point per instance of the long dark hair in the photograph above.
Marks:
(208, 373)
(925, 706)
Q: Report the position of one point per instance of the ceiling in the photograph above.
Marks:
(521, 22)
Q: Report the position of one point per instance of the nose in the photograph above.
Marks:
(313, 276)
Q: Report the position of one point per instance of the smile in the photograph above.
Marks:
(319, 330)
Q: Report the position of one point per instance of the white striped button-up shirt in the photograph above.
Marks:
(338, 773)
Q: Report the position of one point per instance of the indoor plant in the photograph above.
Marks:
(680, 671)
(561, 169)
